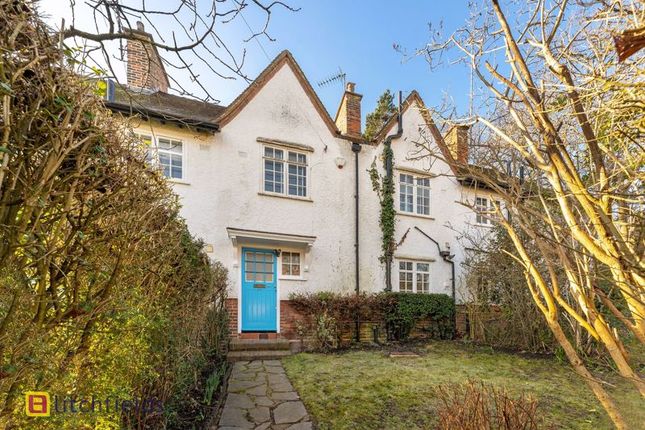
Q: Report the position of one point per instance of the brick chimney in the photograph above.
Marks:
(457, 142)
(145, 68)
(348, 117)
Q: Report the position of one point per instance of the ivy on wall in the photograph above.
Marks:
(384, 188)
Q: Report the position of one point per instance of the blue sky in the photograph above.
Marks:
(356, 36)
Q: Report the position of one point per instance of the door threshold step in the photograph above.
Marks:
(256, 355)
(259, 344)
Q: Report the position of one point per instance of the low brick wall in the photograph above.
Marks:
(290, 318)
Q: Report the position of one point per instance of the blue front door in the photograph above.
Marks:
(259, 304)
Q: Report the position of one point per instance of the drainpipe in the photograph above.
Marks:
(447, 257)
(356, 148)
(388, 175)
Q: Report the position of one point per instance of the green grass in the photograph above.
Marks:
(368, 390)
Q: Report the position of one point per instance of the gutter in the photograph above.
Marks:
(447, 257)
(388, 175)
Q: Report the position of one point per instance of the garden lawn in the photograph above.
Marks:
(369, 390)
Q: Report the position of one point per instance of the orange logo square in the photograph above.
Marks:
(37, 404)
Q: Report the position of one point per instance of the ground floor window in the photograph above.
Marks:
(290, 263)
(414, 276)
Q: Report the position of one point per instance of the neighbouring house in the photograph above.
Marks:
(280, 192)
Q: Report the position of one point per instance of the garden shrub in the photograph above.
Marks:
(408, 309)
(476, 406)
(103, 291)
(399, 313)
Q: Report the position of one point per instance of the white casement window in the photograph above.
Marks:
(290, 263)
(483, 205)
(414, 277)
(285, 172)
(166, 154)
(414, 194)
(170, 154)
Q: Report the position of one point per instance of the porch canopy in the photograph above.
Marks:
(255, 237)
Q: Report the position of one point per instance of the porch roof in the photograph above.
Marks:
(245, 236)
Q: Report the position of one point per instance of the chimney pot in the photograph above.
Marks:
(351, 87)
(140, 26)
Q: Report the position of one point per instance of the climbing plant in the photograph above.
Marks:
(384, 188)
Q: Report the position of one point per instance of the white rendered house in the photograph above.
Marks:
(280, 192)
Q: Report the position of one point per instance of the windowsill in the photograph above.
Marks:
(290, 278)
(410, 214)
(177, 181)
(282, 196)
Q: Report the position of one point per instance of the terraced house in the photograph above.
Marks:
(280, 192)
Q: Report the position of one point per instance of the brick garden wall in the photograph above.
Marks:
(289, 318)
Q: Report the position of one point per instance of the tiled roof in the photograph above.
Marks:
(167, 107)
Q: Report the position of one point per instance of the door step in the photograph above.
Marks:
(258, 349)
(259, 345)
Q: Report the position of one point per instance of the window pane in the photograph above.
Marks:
(273, 176)
(423, 196)
(406, 192)
(423, 267)
(295, 270)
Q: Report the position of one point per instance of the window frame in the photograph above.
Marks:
(286, 163)
(416, 273)
(416, 193)
(152, 155)
(300, 263)
(482, 219)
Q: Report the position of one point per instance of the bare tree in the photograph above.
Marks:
(187, 34)
(563, 147)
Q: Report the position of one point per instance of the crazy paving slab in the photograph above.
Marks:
(261, 397)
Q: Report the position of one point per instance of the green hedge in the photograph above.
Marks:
(399, 313)
(406, 310)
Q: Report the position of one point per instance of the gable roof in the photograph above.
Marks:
(284, 58)
(196, 113)
(412, 99)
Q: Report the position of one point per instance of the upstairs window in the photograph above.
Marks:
(170, 154)
(293, 182)
(414, 194)
(166, 154)
(484, 207)
(414, 276)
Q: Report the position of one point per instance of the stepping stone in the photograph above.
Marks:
(260, 390)
(263, 426)
(288, 395)
(289, 412)
(255, 364)
(282, 387)
(240, 401)
(260, 414)
(275, 369)
(234, 417)
(244, 376)
(307, 425)
(235, 385)
(263, 401)
(278, 379)
(272, 363)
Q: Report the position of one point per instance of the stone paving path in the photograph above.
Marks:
(261, 397)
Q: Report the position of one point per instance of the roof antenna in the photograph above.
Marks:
(338, 77)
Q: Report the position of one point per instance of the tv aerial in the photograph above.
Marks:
(338, 77)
